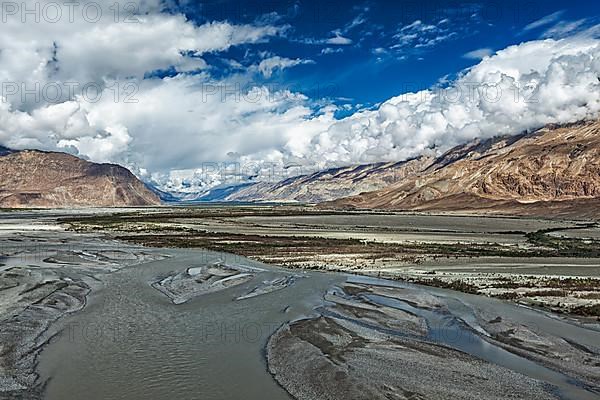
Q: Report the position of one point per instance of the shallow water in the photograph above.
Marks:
(448, 330)
(131, 342)
(456, 327)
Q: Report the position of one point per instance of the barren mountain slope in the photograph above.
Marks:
(332, 184)
(41, 179)
(553, 165)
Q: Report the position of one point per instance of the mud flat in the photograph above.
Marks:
(40, 282)
(270, 286)
(30, 300)
(366, 338)
(320, 358)
(530, 341)
(385, 342)
(564, 286)
(197, 281)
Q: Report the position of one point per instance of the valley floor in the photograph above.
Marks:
(554, 264)
(50, 262)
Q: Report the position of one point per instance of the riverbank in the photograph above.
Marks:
(552, 264)
(45, 275)
(379, 342)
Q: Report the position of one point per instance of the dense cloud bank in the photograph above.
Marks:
(113, 106)
(520, 88)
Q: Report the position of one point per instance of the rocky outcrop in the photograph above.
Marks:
(33, 178)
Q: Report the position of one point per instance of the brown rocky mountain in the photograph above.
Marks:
(555, 168)
(33, 178)
(331, 184)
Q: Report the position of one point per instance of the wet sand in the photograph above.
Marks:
(181, 287)
(40, 283)
(382, 342)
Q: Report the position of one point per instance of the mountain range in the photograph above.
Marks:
(554, 169)
(331, 184)
(32, 178)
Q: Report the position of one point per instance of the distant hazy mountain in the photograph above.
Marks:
(329, 184)
(556, 168)
(47, 179)
(4, 151)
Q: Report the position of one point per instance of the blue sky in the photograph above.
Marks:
(381, 59)
(320, 83)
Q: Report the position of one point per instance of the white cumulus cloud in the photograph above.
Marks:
(269, 65)
(479, 54)
(169, 128)
(546, 20)
(519, 88)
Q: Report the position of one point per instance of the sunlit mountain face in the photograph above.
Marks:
(193, 96)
